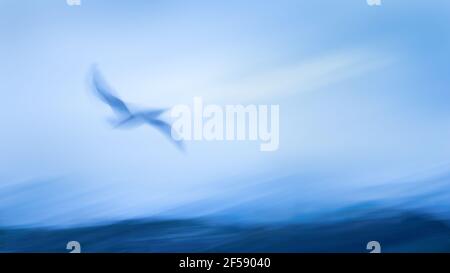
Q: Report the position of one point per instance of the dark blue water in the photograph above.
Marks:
(397, 231)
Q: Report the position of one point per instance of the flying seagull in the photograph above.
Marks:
(128, 118)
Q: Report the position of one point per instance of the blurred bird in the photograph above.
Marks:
(128, 118)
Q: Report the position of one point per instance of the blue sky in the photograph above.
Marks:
(363, 95)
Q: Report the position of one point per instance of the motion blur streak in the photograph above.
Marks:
(364, 150)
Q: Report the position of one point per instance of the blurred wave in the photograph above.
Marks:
(397, 231)
(408, 216)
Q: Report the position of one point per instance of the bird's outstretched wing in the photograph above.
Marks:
(166, 129)
(105, 94)
(152, 113)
